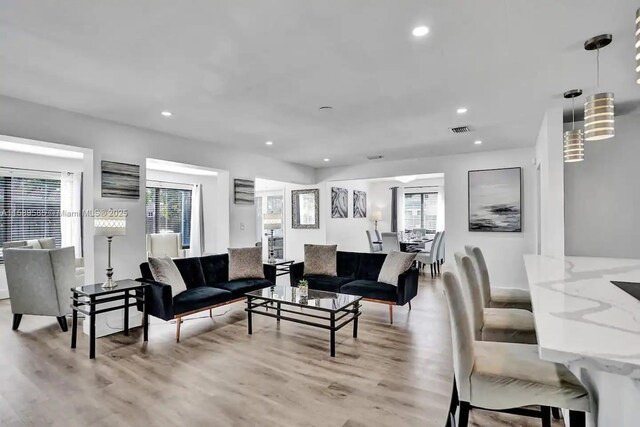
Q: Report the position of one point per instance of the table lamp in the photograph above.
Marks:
(272, 221)
(376, 216)
(110, 224)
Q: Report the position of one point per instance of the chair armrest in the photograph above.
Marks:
(270, 272)
(160, 302)
(296, 272)
(407, 285)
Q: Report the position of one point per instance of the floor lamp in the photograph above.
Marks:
(272, 221)
(109, 224)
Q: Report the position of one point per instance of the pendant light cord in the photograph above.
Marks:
(598, 68)
(573, 113)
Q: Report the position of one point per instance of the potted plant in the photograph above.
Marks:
(303, 286)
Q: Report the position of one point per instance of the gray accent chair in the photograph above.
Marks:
(39, 281)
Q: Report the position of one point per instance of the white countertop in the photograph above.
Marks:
(581, 318)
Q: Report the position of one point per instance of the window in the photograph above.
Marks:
(29, 206)
(169, 210)
(421, 211)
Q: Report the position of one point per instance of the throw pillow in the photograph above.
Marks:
(47, 243)
(245, 263)
(394, 265)
(164, 270)
(320, 260)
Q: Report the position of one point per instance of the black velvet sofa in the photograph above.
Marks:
(208, 286)
(357, 274)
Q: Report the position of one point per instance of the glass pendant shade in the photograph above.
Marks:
(599, 117)
(573, 146)
(638, 46)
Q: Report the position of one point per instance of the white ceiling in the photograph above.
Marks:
(244, 72)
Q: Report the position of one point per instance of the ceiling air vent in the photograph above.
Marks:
(460, 129)
(378, 157)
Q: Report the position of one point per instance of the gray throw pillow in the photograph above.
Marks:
(320, 260)
(245, 263)
(394, 265)
(164, 270)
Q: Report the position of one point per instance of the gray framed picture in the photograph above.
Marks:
(120, 180)
(339, 202)
(305, 208)
(243, 191)
(359, 204)
(495, 200)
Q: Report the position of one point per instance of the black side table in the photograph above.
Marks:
(93, 295)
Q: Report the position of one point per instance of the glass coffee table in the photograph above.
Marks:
(320, 309)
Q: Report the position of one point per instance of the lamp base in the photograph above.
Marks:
(109, 284)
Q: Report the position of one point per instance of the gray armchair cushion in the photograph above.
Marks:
(40, 280)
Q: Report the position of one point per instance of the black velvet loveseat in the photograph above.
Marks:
(357, 274)
(208, 286)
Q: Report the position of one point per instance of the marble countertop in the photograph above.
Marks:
(581, 318)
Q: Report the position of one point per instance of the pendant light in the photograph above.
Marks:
(638, 46)
(574, 138)
(598, 109)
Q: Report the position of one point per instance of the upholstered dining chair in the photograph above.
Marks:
(493, 324)
(165, 244)
(506, 377)
(374, 245)
(40, 282)
(430, 256)
(390, 242)
(496, 297)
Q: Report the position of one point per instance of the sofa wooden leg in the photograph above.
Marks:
(409, 305)
(62, 321)
(211, 312)
(391, 314)
(16, 321)
(178, 323)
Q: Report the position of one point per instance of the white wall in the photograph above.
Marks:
(116, 142)
(348, 233)
(549, 158)
(12, 159)
(503, 250)
(214, 242)
(602, 198)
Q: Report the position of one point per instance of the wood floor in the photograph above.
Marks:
(219, 376)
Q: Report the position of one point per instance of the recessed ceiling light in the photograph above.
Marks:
(461, 110)
(326, 160)
(167, 113)
(420, 31)
(478, 142)
(269, 143)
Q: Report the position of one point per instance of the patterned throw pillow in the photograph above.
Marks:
(394, 265)
(245, 263)
(164, 270)
(320, 260)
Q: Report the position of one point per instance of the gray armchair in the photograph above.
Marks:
(39, 282)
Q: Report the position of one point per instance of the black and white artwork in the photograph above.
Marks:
(495, 200)
(359, 204)
(339, 202)
(120, 180)
(243, 191)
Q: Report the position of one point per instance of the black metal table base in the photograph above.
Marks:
(336, 319)
(80, 300)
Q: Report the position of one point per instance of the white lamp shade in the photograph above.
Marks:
(599, 117)
(110, 224)
(272, 221)
(573, 146)
(376, 216)
(638, 46)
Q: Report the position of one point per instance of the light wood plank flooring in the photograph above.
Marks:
(219, 376)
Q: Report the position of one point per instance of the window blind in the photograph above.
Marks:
(29, 205)
(169, 210)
